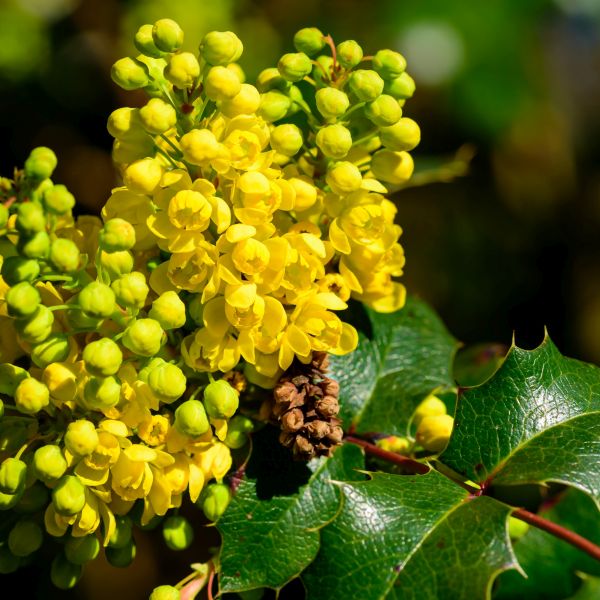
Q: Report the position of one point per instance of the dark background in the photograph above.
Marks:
(512, 246)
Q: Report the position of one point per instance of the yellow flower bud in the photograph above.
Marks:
(123, 122)
(182, 70)
(331, 102)
(130, 74)
(169, 310)
(404, 135)
(31, 396)
(167, 35)
(81, 437)
(434, 432)
(343, 178)
(221, 83)
(393, 167)
(430, 407)
(157, 116)
(245, 102)
(221, 47)
(143, 176)
(286, 139)
(199, 146)
(334, 141)
(61, 382)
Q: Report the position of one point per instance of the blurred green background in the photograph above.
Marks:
(514, 245)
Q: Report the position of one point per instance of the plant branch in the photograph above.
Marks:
(554, 529)
(558, 531)
(390, 457)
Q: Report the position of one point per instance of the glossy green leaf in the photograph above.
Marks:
(401, 358)
(537, 419)
(550, 563)
(270, 531)
(410, 536)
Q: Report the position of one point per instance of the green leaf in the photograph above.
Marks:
(535, 420)
(410, 536)
(551, 563)
(589, 590)
(270, 531)
(401, 358)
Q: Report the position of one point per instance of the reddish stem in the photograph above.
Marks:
(211, 579)
(560, 532)
(391, 457)
(329, 41)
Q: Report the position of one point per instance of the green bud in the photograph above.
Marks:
(9, 501)
(366, 85)
(116, 264)
(273, 106)
(55, 348)
(167, 382)
(169, 310)
(167, 35)
(16, 269)
(309, 40)
(334, 141)
(150, 365)
(130, 74)
(182, 70)
(80, 320)
(25, 538)
(35, 246)
(12, 475)
(517, 528)
(404, 135)
(31, 396)
(144, 42)
(80, 550)
(286, 139)
(122, 534)
(157, 117)
(294, 66)
(49, 464)
(37, 327)
(383, 111)
(191, 419)
(389, 64)
(9, 563)
(37, 193)
(131, 290)
(40, 163)
(102, 357)
(323, 70)
(271, 79)
(238, 429)
(97, 300)
(221, 47)
(58, 200)
(116, 235)
(68, 497)
(344, 178)
(331, 102)
(64, 255)
(220, 399)
(165, 592)
(63, 573)
(434, 432)
(349, 54)
(215, 500)
(402, 87)
(81, 437)
(144, 337)
(101, 393)
(34, 499)
(22, 300)
(30, 218)
(3, 216)
(121, 557)
(177, 532)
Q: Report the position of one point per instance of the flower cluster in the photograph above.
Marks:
(265, 203)
(102, 423)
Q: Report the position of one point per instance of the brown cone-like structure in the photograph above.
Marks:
(305, 406)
